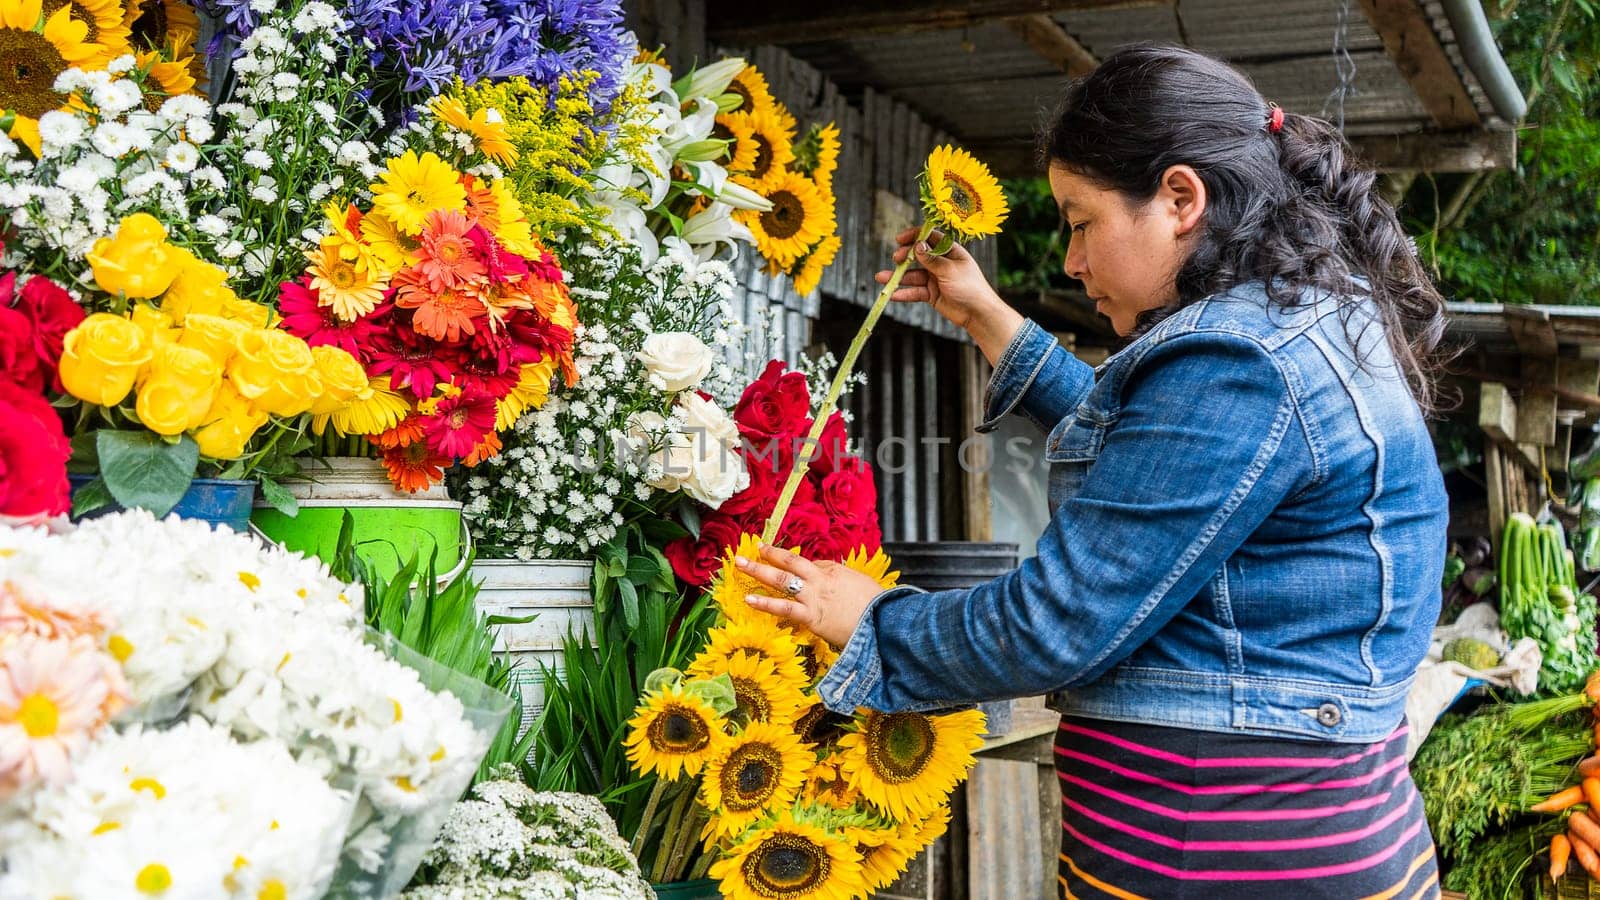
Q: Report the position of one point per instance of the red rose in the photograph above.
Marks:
(33, 455)
(849, 492)
(833, 445)
(777, 404)
(54, 314)
(697, 559)
(18, 361)
(761, 494)
(807, 526)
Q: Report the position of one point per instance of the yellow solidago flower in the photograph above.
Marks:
(410, 187)
(790, 860)
(906, 764)
(673, 733)
(961, 195)
(800, 217)
(757, 771)
(36, 48)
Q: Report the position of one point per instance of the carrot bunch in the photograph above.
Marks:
(1582, 837)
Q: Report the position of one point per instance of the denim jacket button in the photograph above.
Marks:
(1328, 715)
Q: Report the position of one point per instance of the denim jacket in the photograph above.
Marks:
(1247, 536)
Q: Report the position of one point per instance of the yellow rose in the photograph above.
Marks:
(216, 336)
(342, 377)
(156, 325)
(275, 371)
(101, 358)
(230, 423)
(256, 315)
(180, 385)
(199, 287)
(137, 262)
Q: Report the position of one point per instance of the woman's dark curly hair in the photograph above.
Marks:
(1291, 208)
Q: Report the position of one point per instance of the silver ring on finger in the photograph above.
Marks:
(794, 585)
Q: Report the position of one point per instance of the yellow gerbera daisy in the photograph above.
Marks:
(906, 763)
(737, 129)
(800, 217)
(673, 733)
(774, 152)
(874, 566)
(375, 414)
(758, 770)
(883, 851)
(762, 637)
(762, 696)
(486, 126)
(105, 24)
(961, 195)
(533, 387)
(344, 278)
(790, 860)
(754, 95)
(31, 56)
(810, 272)
(390, 248)
(410, 187)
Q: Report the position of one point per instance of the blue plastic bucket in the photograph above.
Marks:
(218, 501)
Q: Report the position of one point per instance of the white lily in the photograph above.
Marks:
(711, 80)
(692, 127)
(712, 226)
(652, 77)
(740, 197)
(709, 177)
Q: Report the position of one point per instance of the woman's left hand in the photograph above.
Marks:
(830, 600)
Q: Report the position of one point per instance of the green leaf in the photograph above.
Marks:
(279, 496)
(143, 470)
(91, 497)
(85, 459)
(630, 602)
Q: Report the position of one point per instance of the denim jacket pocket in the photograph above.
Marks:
(1072, 447)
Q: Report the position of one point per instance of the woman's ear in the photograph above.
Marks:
(1183, 196)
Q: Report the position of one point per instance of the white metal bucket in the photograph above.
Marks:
(559, 593)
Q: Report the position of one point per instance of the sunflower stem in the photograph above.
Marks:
(649, 816)
(702, 866)
(669, 836)
(840, 379)
(684, 845)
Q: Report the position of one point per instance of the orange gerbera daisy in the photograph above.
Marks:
(405, 433)
(443, 315)
(446, 256)
(414, 467)
(483, 204)
(488, 448)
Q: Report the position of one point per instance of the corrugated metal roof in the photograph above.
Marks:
(985, 83)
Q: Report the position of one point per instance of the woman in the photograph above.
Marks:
(1242, 568)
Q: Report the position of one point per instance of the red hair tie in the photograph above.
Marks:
(1275, 123)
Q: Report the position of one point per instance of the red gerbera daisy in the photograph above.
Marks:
(445, 256)
(485, 376)
(503, 266)
(411, 361)
(414, 467)
(305, 318)
(459, 423)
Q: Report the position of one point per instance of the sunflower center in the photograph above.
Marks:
(151, 26)
(79, 12)
(900, 745)
(785, 217)
(819, 725)
(763, 161)
(786, 865)
(745, 100)
(39, 716)
(750, 777)
(754, 704)
(963, 196)
(29, 64)
(809, 660)
(678, 730)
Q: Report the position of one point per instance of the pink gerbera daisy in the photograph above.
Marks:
(54, 695)
(503, 266)
(446, 257)
(459, 423)
(305, 317)
(411, 361)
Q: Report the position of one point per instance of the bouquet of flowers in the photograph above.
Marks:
(260, 658)
(34, 450)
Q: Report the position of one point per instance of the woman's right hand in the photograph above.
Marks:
(952, 284)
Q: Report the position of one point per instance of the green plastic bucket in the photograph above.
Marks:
(390, 527)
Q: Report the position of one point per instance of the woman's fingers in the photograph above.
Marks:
(789, 562)
(771, 576)
(788, 610)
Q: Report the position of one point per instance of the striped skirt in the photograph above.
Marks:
(1148, 811)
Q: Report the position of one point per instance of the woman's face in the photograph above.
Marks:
(1127, 253)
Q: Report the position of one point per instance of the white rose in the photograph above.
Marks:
(675, 360)
(718, 475)
(703, 417)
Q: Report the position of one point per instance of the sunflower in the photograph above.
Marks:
(790, 860)
(533, 387)
(774, 151)
(828, 785)
(816, 654)
(874, 565)
(374, 415)
(673, 733)
(754, 95)
(883, 851)
(818, 725)
(762, 637)
(104, 20)
(740, 133)
(156, 23)
(410, 187)
(827, 155)
(760, 769)
(344, 278)
(924, 831)
(731, 586)
(762, 695)
(164, 76)
(799, 218)
(810, 272)
(905, 763)
(31, 57)
(961, 195)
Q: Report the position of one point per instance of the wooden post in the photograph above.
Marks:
(976, 461)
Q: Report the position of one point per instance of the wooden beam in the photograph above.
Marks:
(1455, 151)
(743, 23)
(1530, 327)
(1052, 42)
(1409, 37)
